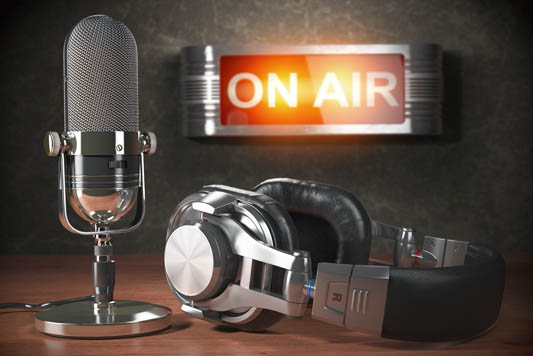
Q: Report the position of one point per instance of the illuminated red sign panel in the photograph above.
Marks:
(312, 89)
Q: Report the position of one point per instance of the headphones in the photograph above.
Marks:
(233, 256)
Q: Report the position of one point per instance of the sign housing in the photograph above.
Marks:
(311, 90)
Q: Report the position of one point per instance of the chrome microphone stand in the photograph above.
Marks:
(104, 317)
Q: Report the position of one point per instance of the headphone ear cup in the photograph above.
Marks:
(285, 238)
(319, 203)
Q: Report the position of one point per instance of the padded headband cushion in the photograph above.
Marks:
(337, 207)
(448, 303)
(285, 238)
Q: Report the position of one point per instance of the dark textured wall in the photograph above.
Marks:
(473, 183)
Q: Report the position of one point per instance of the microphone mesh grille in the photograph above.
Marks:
(100, 73)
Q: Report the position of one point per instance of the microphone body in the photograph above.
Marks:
(101, 146)
(101, 95)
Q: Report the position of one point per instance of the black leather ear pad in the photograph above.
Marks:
(439, 304)
(285, 238)
(339, 208)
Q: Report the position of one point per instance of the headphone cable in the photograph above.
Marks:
(46, 304)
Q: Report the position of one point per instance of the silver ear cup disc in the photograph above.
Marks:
(196, 260)
(189, 260)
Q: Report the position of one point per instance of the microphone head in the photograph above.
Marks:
(100, 76)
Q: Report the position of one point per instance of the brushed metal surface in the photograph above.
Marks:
(189, 260)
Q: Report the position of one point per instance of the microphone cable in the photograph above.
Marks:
(46, 304)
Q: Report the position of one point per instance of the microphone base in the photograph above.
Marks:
(90, 320)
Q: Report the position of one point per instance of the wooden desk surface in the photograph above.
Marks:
(140, 277)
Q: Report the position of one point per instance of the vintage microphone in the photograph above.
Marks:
(101, 173)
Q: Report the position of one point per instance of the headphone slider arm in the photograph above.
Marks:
(445, 252)
(351, 296)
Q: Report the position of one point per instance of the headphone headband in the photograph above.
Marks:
(451, 301)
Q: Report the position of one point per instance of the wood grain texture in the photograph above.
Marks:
(141, 277)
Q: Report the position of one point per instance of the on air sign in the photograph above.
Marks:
(311, 90)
